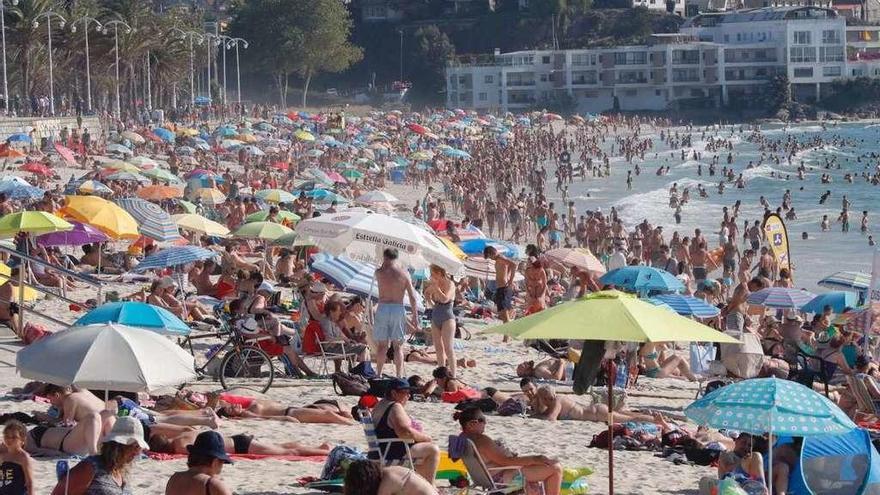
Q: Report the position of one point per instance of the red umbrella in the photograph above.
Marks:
(37, 168)
(416, 128)
(280, 165)
(65, 153)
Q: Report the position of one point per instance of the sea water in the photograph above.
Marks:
(822, 254)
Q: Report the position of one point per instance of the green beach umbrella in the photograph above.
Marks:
(32, 222)
(352, 174)
(262, 230)
(260, 216)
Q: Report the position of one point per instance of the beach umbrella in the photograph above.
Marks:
(838, 300)
(142, 161)
(254, 151)
(770, 405)
(32, 222)
(128, 177)
(14, 179)
(208, 196)
(79, 235)
(37, 169)
(781, 297)
(475, 247)
(14, 190)
(687, 305)
(94, 187)
(642, 279)
(275, 196)
(200, 224)
(153, 221)
(101, 214)
(862, 320)
(421, 156)
(314, 153)
(282, 216)
(457, 153)
(106, 357)
(133, 137)
(7, 152)
(164, 134)
(377, 197)
(229, 144)
(292, 239)
(579, 257)
(352, 174)
(484, 269)
(615, 316)
(65, 153)
(416, 128)
(185, 150)
(304, 135)
(174, 256)
(158, 193)
(161, 174)
(19, 137)
(118, 166)
(187, 206)
(261, 230)
(363, 236)
(136, 314)
(352, 276)
(857, 281)
(118, 149)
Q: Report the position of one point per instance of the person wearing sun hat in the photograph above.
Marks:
(205, 461)
(105, 473)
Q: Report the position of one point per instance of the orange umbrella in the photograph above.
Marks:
(8, 152)
(37, 168)
(158, 193)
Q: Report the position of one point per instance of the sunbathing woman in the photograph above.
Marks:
(534, 468)
(81, 439)
(235, 444)
(416, 355)
(659, 365)
(319, 412)
(442, 382)
(547, 404)
(548, 369)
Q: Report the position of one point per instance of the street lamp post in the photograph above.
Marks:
(61, 21)
(85, 22)
(190, 35)
(216, 40)
(236, 42)
(115, 24)
(3, 36)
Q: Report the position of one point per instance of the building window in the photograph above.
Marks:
(482, 96)
(375, 12)
(858, 72)
(803, 54)
(831, 71)
(656, 92)
(631, 92)
(801, 38)
(489, 79)
(630, 58)
(831, 53)
(830, 37)
(543, 77)
(545, 59)
(801, 72)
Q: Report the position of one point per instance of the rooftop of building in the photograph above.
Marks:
(758, 15)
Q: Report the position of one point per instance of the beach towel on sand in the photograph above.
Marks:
(158, 456)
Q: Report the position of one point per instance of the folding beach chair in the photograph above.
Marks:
(375, 449)
(333, 350)
(865, 405)
(481, 475)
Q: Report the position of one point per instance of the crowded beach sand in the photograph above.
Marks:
(462, 158)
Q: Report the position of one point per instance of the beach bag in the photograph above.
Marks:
(34, 332)
(601, 441)
(364, 369)
(346, 384)
(338, 461)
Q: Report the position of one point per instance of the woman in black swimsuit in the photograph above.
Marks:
(441, 292)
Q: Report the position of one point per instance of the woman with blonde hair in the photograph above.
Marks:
(441, 293)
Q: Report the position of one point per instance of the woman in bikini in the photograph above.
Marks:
(534, 468)
(235, 444)
(319, 412)
(659, 365)
(441, 293)
(81, 439)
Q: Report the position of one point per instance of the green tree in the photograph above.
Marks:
(431, 51)
(302, 37)
(778, 94)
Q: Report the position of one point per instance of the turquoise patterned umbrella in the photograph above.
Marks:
(770, 405)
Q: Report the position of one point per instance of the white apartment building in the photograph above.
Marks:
(723, 58)
(677, 6)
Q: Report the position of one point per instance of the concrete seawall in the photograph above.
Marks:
(45, 127)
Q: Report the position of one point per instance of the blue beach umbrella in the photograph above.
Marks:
(839, 300)
(173, 257)
(164, 134)
(19, 137)
(642, 279)
(136, 314)
(475, 247)
(14, 190)
(781, 297)
(352, 276)
(153, 221)
(687, 305)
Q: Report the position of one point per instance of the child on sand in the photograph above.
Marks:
(16, 466)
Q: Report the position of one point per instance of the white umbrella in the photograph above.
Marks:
(376, 197)
(106, 357)
(363, 236)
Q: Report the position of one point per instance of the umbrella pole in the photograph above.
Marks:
(612, 372)
(100, 252)
(770, 464)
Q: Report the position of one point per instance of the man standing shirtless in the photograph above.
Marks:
(389, 327)
(505, 270)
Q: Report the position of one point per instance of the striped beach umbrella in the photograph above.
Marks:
(857, 281)
(174, 256)
(781, 297)
(94, 187)
(837, 300)
(687, 305)
(275, 196)
(351, 276)
(153, 221)
(642, 279)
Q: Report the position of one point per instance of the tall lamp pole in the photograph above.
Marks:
(3, 36)
(236, 42)
(190, 35)
(115, 25)
(213, 39)
(86, 21)
(61, 21)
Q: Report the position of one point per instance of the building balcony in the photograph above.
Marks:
(584, 82)
(516, 84)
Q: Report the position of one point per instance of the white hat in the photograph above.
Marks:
(127, 431)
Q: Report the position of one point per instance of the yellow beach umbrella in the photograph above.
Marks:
(200, 224)
(208, 196)
(32, 222)
(101, 214)
(456, 251)
(6, 272)
(304, 135)
(187, 131)
(121, 166)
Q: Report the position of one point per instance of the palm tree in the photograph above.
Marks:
(26, 37)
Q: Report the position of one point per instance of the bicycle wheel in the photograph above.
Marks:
(247, 367)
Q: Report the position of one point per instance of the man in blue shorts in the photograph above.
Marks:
(389, 324)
